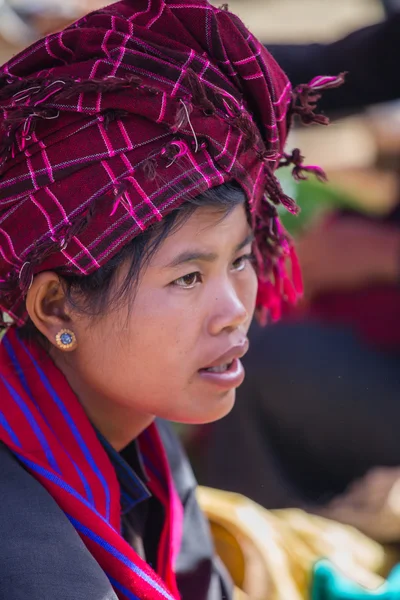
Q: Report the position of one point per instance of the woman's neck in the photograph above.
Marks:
(119, 424)
(119, 427)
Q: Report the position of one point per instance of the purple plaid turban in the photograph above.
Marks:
(112, 123)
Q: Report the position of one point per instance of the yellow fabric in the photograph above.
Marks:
(270, 554)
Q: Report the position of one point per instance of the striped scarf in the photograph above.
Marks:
(46, 428)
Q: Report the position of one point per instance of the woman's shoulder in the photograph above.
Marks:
(41, 554)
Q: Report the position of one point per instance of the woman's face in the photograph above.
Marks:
(175, 353)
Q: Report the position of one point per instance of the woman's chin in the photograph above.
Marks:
(207, 409)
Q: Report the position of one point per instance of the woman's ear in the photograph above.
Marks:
(46, 304)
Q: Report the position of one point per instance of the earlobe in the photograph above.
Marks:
(47, 306)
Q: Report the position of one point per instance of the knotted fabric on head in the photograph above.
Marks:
(112, 123)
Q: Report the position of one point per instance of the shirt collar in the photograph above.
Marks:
(133, 490)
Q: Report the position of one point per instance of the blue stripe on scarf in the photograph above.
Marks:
(61, 484)
(32, 422)
(6, 426)
(121, 588)
(149, 464)
(21, 376)
(73, 428)
(150, 467)
(119, 556)
(18, 369)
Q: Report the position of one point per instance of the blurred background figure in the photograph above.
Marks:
(321, 397)
(24, 21)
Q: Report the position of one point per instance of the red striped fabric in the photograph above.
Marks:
(112, 123)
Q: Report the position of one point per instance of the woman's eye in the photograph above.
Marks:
(240, 263)
(188, 281)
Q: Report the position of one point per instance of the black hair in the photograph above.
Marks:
(94, 294)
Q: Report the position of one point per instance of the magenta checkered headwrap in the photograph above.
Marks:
(115, 121)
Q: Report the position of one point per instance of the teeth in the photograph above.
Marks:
(219, 368)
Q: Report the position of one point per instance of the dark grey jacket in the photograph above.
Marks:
(43, 558)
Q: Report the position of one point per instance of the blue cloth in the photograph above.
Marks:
(329, 584)
(133, 490)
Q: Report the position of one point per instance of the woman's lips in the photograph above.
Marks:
(228, 379)
(227, 357)
(226, 371)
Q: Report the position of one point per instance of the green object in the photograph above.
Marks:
(329, 584)
(313, 198)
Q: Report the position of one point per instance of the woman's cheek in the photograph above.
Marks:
(248, 291)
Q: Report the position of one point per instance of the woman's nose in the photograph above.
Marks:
(228, 313)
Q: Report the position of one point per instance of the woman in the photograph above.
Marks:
(137, 149)
(343, 348)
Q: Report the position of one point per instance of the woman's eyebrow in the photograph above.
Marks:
(249, 239)
(191, 256)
